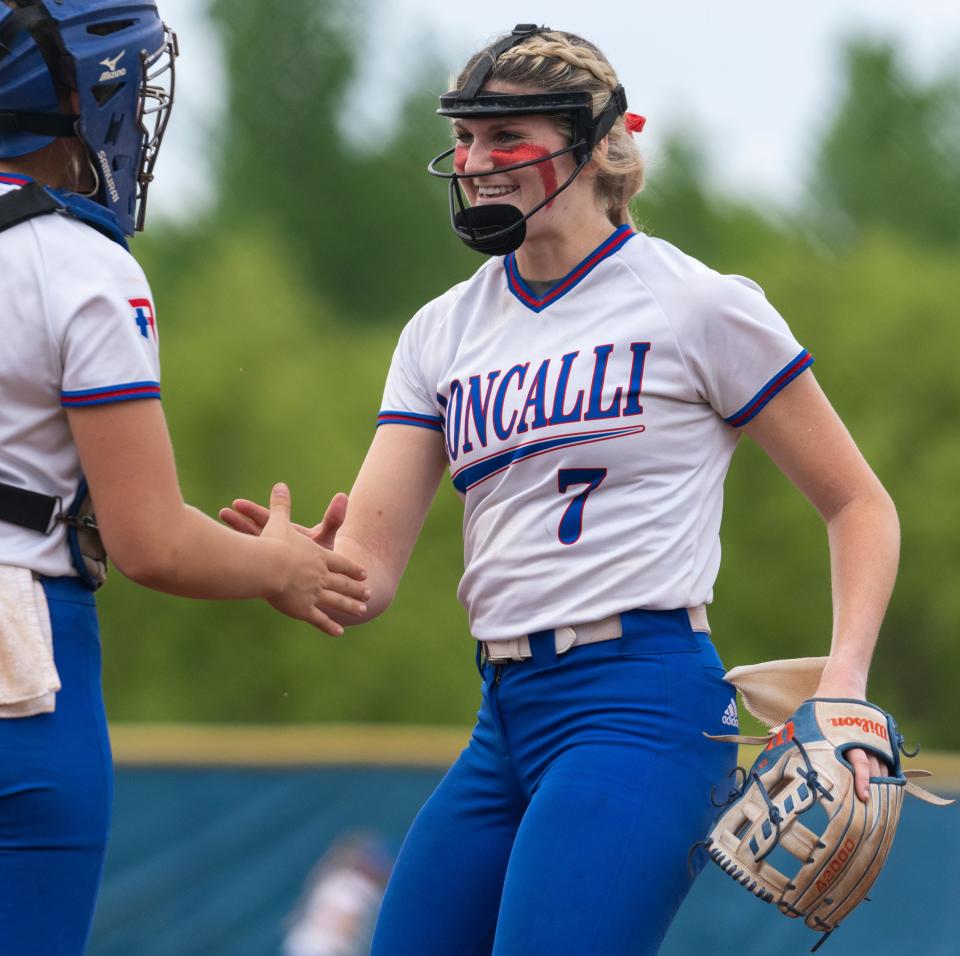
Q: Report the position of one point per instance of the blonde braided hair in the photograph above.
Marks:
(557, 61)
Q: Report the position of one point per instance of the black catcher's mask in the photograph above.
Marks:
(499, 228)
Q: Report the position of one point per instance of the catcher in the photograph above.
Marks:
(834, 857)
(86, 88)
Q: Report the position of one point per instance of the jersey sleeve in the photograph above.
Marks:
(739, 350)
(408, 398)
(107, 328)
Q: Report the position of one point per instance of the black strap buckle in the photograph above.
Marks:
(80, 522)
(619, 95)
(30, 509)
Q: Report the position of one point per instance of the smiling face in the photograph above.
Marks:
(485, 145)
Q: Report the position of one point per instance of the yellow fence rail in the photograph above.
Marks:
(318, 745)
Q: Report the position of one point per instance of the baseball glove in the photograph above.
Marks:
(814, 865)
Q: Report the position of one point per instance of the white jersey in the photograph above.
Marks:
(590, 429)
(77, 328)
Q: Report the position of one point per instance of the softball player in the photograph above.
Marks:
(83, 107)
(586, 388)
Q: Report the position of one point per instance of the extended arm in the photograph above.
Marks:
(806, 439)
(388, 504)
(158, 540)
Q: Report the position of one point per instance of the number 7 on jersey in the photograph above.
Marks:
(571, 524)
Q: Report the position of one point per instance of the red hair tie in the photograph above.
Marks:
(635, 122)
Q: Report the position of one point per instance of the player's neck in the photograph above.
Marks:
(548, 255)
(48, 166)
(15, 168)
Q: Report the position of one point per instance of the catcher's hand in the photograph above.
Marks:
(837, 853)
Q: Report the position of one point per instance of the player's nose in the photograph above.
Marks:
(477, 158)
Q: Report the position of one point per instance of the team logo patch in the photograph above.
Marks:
(144, 316)
(730, 717)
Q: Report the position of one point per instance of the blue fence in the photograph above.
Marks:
(211, 863)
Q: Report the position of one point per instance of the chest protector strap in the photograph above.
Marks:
(28, 509)
(25, 203)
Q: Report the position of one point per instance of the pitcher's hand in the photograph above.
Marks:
(314, 581)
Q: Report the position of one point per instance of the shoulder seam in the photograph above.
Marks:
(690, 379)
(456, 291)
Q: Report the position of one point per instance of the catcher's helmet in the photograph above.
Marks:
(118, 56)
(499, 228)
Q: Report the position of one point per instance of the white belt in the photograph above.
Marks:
(609, 629)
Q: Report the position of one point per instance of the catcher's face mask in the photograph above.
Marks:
(117, 58)
(499, 228)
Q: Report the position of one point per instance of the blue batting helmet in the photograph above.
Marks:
(118, 57)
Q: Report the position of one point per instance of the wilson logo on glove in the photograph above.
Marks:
(868, 726)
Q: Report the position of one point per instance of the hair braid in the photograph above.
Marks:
(539, 49)
(556, 61)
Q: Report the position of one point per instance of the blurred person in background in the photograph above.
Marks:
(586, 388)
(85, 94)
(341, 898)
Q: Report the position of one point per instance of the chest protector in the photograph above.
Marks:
(30, 509)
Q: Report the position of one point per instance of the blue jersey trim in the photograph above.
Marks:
(409, 418)
(773, 387)
(536, 303)
(110, 395)
(471, 475)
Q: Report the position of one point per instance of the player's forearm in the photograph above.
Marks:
(864, 539)
(189, 555)
(381, 580)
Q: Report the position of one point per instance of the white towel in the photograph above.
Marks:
(28, 675)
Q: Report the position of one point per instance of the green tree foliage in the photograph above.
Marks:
(289, 69)
(891, 155)
(366, 223)
(262, 384)
(679, 205)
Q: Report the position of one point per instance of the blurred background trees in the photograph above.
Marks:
(356, 214)
(279, 315)
(891, 157)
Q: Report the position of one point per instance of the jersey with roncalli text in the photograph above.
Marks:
(589, 428)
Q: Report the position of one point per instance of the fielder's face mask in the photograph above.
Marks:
(499, 228)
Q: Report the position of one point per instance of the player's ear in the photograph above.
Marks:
(599, 151)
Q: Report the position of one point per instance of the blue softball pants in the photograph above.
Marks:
(56, 785)
(564, 827)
